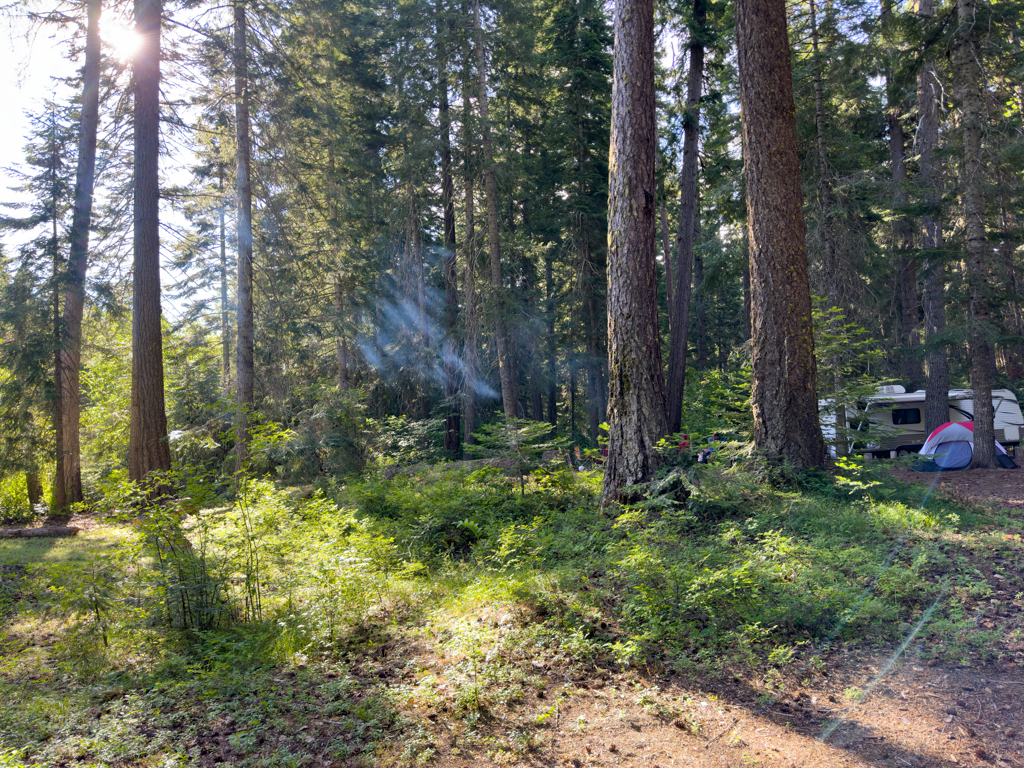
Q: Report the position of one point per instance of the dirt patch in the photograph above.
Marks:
(1005, 487)
(861, 713)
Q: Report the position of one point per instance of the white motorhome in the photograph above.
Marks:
(897, 419)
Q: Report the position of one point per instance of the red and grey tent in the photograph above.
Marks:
(951, 446)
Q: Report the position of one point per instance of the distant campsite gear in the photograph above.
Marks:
(951, 447)
(705, 456)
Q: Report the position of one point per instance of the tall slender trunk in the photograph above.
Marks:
(341, 346)
(903, 232)
(471, 365)
(700, 306)
(967, 65)
(680, 325)
(60, 498)
(596, 403)
(148, 448)
(225, 313)
(449, 352)
(784, 391)
(78, 257)
(244, 365)
(636, 404)
(700, 312)
(910, 305)
(508, 381)
(549, 308)
(936, 404)
(827, 204)
(826, 193)
(670, 288)
(1014, 352)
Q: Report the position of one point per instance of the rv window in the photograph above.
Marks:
(906, 416)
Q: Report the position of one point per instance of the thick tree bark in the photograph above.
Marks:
(449, 351)
(929, 92)
(78, 257)
(680, 323)
(244, 366)
(148, 447)
(784, 393)
(508, 379)
(637, 407)
(746, 297)
(967, 65)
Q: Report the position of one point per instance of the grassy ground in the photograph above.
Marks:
(341, 631)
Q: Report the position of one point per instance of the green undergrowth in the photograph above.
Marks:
(280, 631)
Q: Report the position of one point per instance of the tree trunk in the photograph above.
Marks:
(78, 257)
(910, 305)
(508, 381)
(929, 92)
(637, 406)
(341, 346)
(60, 499)
(225, 315)
(449, 351)
(746, 297)
(244, 367)
(680, 324)
(666, 250)
(826, 193)
(148, 447)
(967, 66)
(471, 366)
(597, 404)
(784, 392)
(549, 304)
(34, 489)
(700, 313)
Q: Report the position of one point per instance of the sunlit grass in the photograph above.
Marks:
(492, 588)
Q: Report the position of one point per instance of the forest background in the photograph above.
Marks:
(426, 189)
(382, 230)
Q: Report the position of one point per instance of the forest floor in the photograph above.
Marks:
(855, 708)
(491, 686)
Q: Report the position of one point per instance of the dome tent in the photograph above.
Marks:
(951, 446)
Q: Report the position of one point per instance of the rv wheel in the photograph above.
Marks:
(902, 452)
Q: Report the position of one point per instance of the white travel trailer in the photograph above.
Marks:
(896, 418)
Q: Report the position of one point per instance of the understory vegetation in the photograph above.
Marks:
(277, 630)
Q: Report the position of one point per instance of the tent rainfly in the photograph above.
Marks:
(951, 446)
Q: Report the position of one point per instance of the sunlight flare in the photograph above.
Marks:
(121, 39)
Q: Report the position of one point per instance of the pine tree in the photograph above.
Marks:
(78, 258)
(149, 449)
(967, 64)
(784, 394)
(688, 219)
(636, 407)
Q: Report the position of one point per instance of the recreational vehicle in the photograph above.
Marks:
(896, 419)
